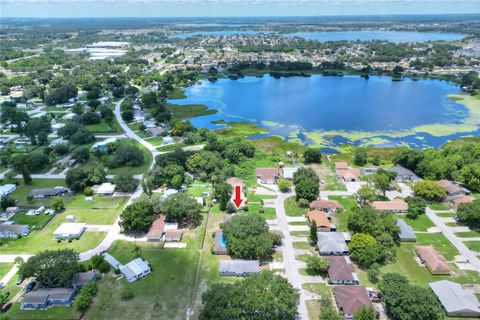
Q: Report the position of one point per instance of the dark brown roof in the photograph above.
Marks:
(351, 298)
(157, 228)
(267, 173)
(433, 260)
(341, 269)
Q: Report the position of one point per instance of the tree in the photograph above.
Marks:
(429, 190)
(405, 301)
(181, 208)
(365, 250)
(313, 232)
(248, 237)
(52, 268)
(307, 189)
(374, 273)
(312, 155)
(127, 115)
(304, 174)
(262, 296)
(470, 176)
(365, 313)
(284, 185)
(82, 136)
(223, 193)
(6, 201)
(57, 204)
(469, 214)
(365, 195)
(85, 297)
(84, 176)
(137, 217)
(408, 158)
(372, 222)
(126, 182)
(177, 181)
(81, 154)
(317, 265)
(126, 155)
(360, 156)
(416, 207)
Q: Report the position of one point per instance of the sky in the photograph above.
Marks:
(230, 8)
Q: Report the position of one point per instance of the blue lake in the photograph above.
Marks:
(322, 103)
(392, 36)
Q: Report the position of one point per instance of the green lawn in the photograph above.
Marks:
(155, 141)
(301, 245)
(35, 222)
(349, 204)
(300, 233)
(473, 245)
(4, 268)
(292, 209)
(197, 191)
(421, 223)
(63, 313)
(103, 127)
(439, 206)
(102, 210)
(170, 147)
(43, 239)
(135, 170)
(440, 242)
(269, 213)
(445, 214)
(23, 190)
(468, 234)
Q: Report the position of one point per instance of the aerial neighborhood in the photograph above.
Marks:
(180, 169)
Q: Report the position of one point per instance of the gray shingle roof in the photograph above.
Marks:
(454, 298)
(406, 232)
(239, 266)
(332, 242)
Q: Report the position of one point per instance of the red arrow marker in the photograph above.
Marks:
(238, 196)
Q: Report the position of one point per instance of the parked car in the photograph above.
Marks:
(6, 306)
(20, 280)
(30, 286)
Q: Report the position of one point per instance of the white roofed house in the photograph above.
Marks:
(455, 300)
(6, 189)
(69, 230)
(104, 189)
(239, 268)
(135, 270)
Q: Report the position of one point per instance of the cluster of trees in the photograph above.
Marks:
(375, 236)
(469, 214)
(122, 154)
(85, 296)
(76, 133)
(307, 184)
(248, 237)
(312, 155)
(454, 161)
(52, 268)
(81, 177)
(429, 190)
(180, 207)
(406, 301)
(25, 164)
(263, 296)
(126, 182)
(60, 90)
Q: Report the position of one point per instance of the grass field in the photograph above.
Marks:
(43, 239)
(135, 170)
(34, 222)
(439, 206)
(180, 112)
(170, 147)
(445, 214)
(292, 209)
(102, 210)
(63, 313)
(349, 204)
(468, 234)
(473, 245)
(103, 127)
(422, 223)
(4, 268)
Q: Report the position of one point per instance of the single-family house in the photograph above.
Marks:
(103, 145)
(393, 206)
(44, 298)
(328, 206)
(455, 300)
(104, 189)
(6, 189)
(154, 132)
(404, 174)
(321, 221)
(219, 243)
(341, 271)
(239, 268)
(112, 260)
(268, 175)
(351, 298)
(406, 232)
(457, 200)
(237, 182)
(351, 175)
(333, 243)
(157, 229)
(80, 278)
(173, 235)
(368, 171)
(433, 260)
(135, 270)
(340, 168)
(69, 230)
(167, 140)
(453, 188)
(288, 172)
(13, 230)
(43, 193)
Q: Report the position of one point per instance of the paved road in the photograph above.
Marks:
(291, 270)
(447, 232)
(11, 257)
(9, 275)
